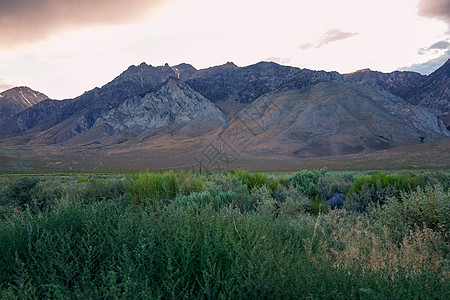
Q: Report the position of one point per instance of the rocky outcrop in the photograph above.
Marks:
(337, 201)
(174, 105)
(16, 100)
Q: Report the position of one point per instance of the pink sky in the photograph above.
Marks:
(63, 48)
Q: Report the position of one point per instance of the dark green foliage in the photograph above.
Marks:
(96, 190)
(418, 208)
(378, 188)
(20, 191)
(307, 182)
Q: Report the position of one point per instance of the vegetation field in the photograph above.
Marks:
(236, 235)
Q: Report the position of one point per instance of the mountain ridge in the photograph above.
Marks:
(267, 109)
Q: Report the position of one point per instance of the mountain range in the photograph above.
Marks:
(262, 111)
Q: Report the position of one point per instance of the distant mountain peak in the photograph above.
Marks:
(17, 99)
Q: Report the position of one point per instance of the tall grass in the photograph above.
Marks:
(214, 237)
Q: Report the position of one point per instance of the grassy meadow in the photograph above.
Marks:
(236, 235)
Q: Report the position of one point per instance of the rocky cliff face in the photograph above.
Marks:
(174, 105)
(16, 100)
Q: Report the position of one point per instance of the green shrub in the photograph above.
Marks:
(418, 208)
(377, 188)
(318, 205)
(154, 186)
(96, 190)
(307, 182)
(369, 195)
(439, 177)
(252, 180)
(336, 183)
(82, 179)
(401, 182)
(190, 183)
(20, 191)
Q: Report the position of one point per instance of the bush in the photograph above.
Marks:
(336, 183)
(369, 195)
(20, 192)
(252, 180)
(377, 188)
(146, 186)
(96, 190)
(401, 182)
(418, 208)
(307, 182)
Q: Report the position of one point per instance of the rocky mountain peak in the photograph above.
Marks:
(16, 100)
(184, 71)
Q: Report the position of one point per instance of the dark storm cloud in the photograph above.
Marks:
(27, 21)
(331, 36)
(438, 9)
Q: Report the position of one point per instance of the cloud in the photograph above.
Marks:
(436, 47)
(4, 85)
(28, 21)
(278, 60)
(334, 35)
(428, 66)
(440, 45)
(438, 9)
(331, 36)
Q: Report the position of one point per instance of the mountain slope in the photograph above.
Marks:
(434, 92)
(81, 113)
(16, 100)
(333, 118)
(174, 105)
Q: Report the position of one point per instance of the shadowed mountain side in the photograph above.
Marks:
(42, 112)
(246, 84)
(397, 82)
(434, 92)
(331, 119)
(174, 108)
